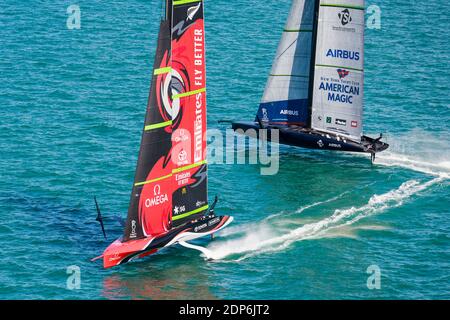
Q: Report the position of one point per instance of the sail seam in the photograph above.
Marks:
(184, 215)
(158, 125)
(342, 6)
(162, 71)
(180, 2)
(153, 180)
(197, 164)
(330, 66)
(187, 94)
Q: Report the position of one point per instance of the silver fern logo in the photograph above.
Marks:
(183, 25)
(192, 11)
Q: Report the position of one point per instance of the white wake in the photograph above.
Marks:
(418, 151)
(265, 237)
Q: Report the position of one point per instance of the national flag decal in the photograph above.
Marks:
(343, 73)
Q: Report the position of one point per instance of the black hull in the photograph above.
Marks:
(312, 139)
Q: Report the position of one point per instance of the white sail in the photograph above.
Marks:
(337, 104)
(285, 99)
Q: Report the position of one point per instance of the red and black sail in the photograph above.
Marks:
(170, 186)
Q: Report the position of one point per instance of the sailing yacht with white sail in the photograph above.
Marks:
(314, 93)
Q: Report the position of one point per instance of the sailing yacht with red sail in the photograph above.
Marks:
(169, 201)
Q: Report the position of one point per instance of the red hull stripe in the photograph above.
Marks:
(187, 94)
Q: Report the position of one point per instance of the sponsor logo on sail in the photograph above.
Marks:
(182, 156)
(179, 210)
(133, 229)
(180, 135)
(328, 119)
(340, 92)
(343, 73)
(343, 54)
(199, 203)
(341, 122)
(199, 97)
(157, 199)
(354, 124)
(345, 17)
(182, 178)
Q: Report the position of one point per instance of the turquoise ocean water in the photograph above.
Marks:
(72, 107)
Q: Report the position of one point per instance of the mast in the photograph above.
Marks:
(313, 60)
(169, 11)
